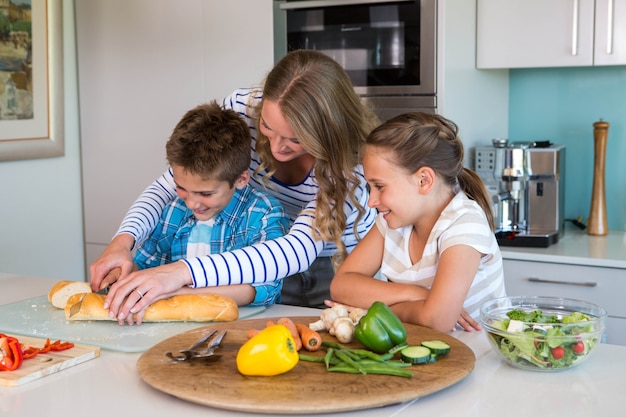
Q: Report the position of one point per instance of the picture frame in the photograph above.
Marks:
(37, 132)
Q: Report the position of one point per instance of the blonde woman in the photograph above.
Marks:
(308, 127)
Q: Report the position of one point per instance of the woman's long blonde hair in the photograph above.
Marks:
(331, 123)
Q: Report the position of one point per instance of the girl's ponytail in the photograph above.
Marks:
(475, 189)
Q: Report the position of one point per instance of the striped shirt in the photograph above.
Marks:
(462, 222)
(265, 261)
(250, 217)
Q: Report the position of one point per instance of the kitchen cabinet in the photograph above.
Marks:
(555, 33)
(598, 285)
(579, 266)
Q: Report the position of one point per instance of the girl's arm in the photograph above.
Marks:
(354, 282)
(443, 306)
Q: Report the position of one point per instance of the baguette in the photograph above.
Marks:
(184, 307)
(63, 290)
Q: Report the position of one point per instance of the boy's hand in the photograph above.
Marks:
(116, 255)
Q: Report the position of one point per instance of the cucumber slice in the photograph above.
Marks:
(415, 354)
(437, 346)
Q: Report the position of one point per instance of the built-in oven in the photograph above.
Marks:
(388, 48)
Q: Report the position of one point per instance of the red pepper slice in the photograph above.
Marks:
(11, 355)
(29, 351)
(59, 346)
(46, 347)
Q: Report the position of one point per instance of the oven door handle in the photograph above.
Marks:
(310, 4)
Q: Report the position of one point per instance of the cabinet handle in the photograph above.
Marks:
(553, 281)
(609, 28)
(309, 4)
(575, 28)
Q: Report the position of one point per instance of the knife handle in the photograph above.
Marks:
(111, 277)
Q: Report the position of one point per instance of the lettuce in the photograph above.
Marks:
(534, 344)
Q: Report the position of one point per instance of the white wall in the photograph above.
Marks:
(40, 205)
(142, 64)
(476, 100)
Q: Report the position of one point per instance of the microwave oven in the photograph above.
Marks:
(388, 48)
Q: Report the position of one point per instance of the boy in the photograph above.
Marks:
(216, 210)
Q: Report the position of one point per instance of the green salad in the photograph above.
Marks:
(545, 341)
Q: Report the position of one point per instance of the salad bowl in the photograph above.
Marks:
(543, 333)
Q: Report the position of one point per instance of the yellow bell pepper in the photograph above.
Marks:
(270, 352)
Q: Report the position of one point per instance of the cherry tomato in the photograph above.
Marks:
(579, 347)
(558, 352)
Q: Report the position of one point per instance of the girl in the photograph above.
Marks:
(308, 126)
(433, 240)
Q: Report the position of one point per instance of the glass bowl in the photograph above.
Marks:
(543, 333)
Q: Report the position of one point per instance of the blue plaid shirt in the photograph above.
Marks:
(250, 217)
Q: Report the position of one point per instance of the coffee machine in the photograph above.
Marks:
(525, 181)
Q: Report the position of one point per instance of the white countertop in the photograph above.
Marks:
(110, 385)
(576, 247)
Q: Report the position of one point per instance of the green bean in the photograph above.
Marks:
(368, 354)
(397, 348)
(349, 361)
(328, 356)
(310, 358)
(393, 363)
(374, 369)
(333, 345)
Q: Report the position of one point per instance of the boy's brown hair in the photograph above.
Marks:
(211, 142)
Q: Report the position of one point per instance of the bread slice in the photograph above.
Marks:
(63, 290)
(184, 307)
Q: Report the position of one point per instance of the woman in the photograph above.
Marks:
(308, 126)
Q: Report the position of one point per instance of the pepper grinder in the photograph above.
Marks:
(597, 223)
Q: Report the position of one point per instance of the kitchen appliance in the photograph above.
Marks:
(388, 48)
(526, 183)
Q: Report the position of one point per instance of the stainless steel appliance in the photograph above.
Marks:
(388, 48)
(526, 184)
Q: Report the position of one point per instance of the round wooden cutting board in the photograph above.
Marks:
(306, 389)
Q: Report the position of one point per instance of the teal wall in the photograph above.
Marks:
(561, 105)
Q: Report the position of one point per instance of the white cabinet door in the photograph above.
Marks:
(534, 33)
(610, 32)
(602, 286)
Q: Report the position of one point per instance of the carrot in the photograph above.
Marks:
(269, 323)
(311, 340)
(252, 332)
(291, 326)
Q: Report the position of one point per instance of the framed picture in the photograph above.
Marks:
(31, 79)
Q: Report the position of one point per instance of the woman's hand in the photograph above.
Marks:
(132, 294)
(116, 255)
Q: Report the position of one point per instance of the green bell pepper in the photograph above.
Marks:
(380, 329)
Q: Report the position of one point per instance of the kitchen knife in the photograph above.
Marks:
(76, 307)
(109, 279)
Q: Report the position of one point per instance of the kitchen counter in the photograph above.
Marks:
(576, 247)
(110, 385)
